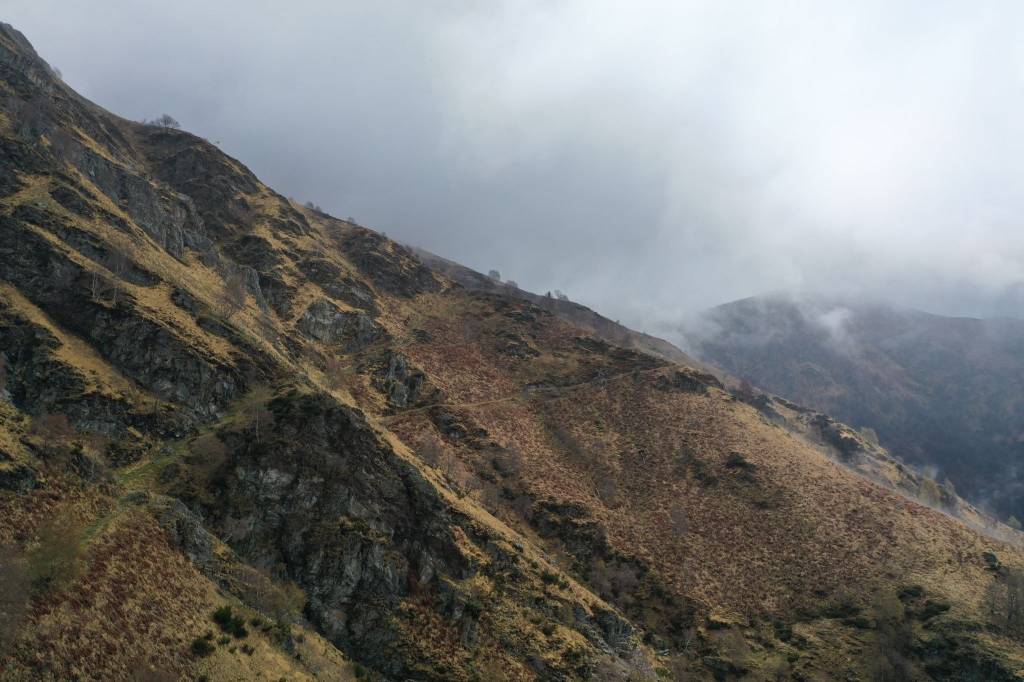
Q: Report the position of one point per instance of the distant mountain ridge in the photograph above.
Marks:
(941, 392)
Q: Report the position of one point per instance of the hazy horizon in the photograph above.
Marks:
(648, 160)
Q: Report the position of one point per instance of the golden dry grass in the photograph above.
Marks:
(136, 605)
(824, 526)
(97, 374)
(793, 531)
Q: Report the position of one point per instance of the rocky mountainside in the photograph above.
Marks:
(946, 394)
(574, 313)
(241, 439)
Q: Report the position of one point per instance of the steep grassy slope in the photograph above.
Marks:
(214, 398)
(671, 498)
(173, 326)
(941, 392)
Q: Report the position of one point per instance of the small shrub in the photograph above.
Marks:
(163, 121)
(702, 472)
(248, 650)
(736, 460)
(717, 623)
(859, 622)
(201, 647)
(843, 607)
(549, 577)
(230, 623)
(281, 633)
(911, 592)
(783, 630)
(507, 462)
(223, 616)
(933, 608)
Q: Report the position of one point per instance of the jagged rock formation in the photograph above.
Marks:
(243, 439)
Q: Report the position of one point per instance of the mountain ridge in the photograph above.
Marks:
(571, 311)
(243, 439)
(902, 372)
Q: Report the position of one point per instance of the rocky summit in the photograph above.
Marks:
(241, 439)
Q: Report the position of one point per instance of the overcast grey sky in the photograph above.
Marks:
(648, 158)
